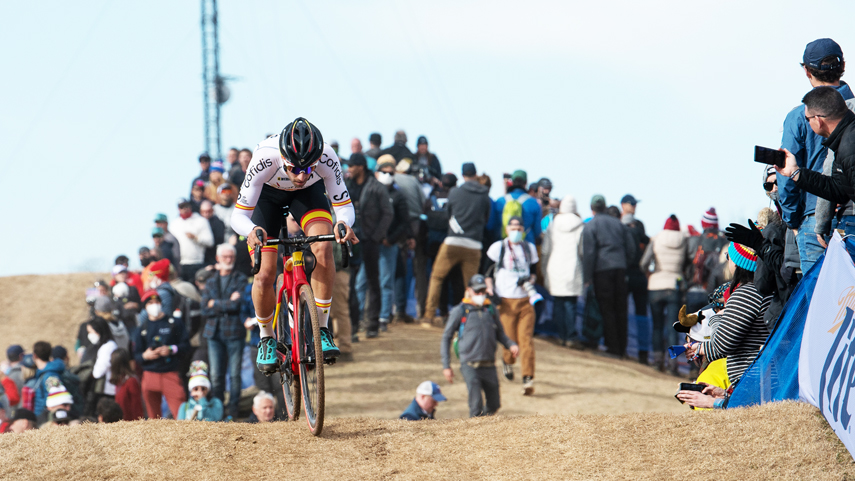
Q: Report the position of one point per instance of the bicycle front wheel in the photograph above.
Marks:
(311, 360)
(288, 379)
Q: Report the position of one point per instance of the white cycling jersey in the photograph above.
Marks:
(268, 167)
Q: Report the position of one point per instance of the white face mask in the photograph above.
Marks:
(385, 178)
(153, 310)
(154, 282)
(93, 338)
(515, 236)
(479, 299)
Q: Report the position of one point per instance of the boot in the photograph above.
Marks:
(642, 357)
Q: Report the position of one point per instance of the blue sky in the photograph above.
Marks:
(101, 118)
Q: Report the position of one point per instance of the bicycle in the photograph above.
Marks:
(298, 360)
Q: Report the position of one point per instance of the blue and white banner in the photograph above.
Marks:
(827, 356)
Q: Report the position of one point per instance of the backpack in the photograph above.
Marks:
(705, 258)
(463, 325)
(513, 208)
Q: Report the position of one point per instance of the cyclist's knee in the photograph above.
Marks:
(323, 251)
(264, 279)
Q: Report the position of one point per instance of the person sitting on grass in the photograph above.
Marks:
(23, 420)
(428, 395)
(108, 411)
(201, 406)
(263, 408)
(478, 331)
(58, 405)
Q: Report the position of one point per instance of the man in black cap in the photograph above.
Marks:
(823, 65)
(426, 159)
(205, 166)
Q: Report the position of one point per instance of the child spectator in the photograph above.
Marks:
(128, 391)
(108, 411)
(478, 330)
(201, 406)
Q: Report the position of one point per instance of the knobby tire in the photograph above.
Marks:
(311, 376)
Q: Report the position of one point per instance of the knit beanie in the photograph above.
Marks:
(57, 394)
(742, 256)
(198, 375)
(709, 220)
(672, 223)
(160, 269)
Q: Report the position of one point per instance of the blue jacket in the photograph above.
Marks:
(802, 142)
(532, 214)
(414, 412)
(224, 316)
(54, 368)
(166, 331)
(212, 409)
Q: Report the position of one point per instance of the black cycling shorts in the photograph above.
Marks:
(306, 206)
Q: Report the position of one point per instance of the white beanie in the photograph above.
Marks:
(57, 394)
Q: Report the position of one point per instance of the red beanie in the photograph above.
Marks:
(672, 223)
(709, 220)
(160, 269)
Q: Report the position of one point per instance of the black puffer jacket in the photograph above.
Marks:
(840, 187)
(375, 207)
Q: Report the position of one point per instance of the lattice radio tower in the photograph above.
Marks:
(215, 92)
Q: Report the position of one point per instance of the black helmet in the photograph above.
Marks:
(301, 143)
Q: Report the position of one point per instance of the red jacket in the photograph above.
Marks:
(11, 391)
(129, 397)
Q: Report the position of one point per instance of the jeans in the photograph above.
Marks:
(371, 263)
(809, 247)
(403, 280)
(664, 306)
(478, 380)
(388, 265)
(637, 285)
(611, 292)
(222, 353)
(564, 311)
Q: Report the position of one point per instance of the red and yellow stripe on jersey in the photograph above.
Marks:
(315, 215)
(342, 203)
(243, 207)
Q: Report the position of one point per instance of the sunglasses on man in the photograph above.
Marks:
(769, 185)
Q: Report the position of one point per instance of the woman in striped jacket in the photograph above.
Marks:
(738, 331)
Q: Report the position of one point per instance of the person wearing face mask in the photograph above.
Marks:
(478, 331)
(101, 338)
(159, 343)
(158, 280)
(515, 261)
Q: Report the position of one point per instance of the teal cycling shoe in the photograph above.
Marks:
(328, 345)
(267, 361)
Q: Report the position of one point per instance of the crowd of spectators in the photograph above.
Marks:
(438, 250)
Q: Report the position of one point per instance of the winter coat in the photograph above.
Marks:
(606, 244)
(561, 252)
(840, 187)
(224, 315)
(375, 214)
(669, 249)
(399, 229)
(480, 334)
(469, 205)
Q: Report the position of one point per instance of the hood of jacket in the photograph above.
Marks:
(566, 222)
(56, 366)
(670, 238)
(475, 187)
(568, 205)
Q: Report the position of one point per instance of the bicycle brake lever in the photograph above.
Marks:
(256, 255)
(348, 248)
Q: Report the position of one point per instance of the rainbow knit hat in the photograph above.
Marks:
(198, 375)
(742, 256)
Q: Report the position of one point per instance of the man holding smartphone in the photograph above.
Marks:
(823, 65)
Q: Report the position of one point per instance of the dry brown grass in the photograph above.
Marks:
(784, 441)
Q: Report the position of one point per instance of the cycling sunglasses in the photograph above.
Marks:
(297, 170)
(769, 185)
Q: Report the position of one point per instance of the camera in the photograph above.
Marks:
(528, 286)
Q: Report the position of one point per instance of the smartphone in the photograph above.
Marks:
(688, 386)
(769, 156)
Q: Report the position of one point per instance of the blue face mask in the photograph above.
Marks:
(515, 236)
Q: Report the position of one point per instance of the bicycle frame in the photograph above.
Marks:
(292, 279)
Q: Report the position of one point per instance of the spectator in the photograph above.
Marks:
(237, 174)
(399, 149)
(158, 344)
(263, 408)
(823, 65)
(669, 251)
(562, 267)
(216, 180)
(205, 166)
(194, 235)
(103, 344)
(515, 259)
(428, 395)
(218, 230)
(59, 404)
(518, 203)
(126, 296)
(12, 393)
(478, 330)
(161, 221)
(130, 277)
(232, 157)
(202, 406)
(128, 391)
(355, 146)
(13, 367)
(108, 411)
(197, 195)
(738, 331)
(224, 329)
(423, 158)
(468, 209)
(105, 308)
(49, 373)
(374, 141)
(704, 252)
(437, 222)
(829, 118)
(411, 191)
(636, 280)
(23, 420)
(162, 247)
(159, 274)
(373, 218)
(607, 249)
(145, 255)
(224, 207)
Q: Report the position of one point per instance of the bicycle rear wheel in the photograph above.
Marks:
(288, 379)
(311, 360)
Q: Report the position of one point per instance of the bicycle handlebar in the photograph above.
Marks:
(301, 240)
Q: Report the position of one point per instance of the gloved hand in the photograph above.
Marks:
(687, 320)
(748, 236)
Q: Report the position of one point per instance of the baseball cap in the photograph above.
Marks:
(118, 269)
(184, 203)
(59, 352)
(821, 49)
(103, 304)
(160, 218)
(431, 389)
(357, 159)
(204, 157)
(469, 169)
(156, 231)
(14, 352)
(477, 282)
(598, 199)
(629, 199)
(520, 175)
(422, 140)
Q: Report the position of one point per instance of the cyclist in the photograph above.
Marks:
(294, 169)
